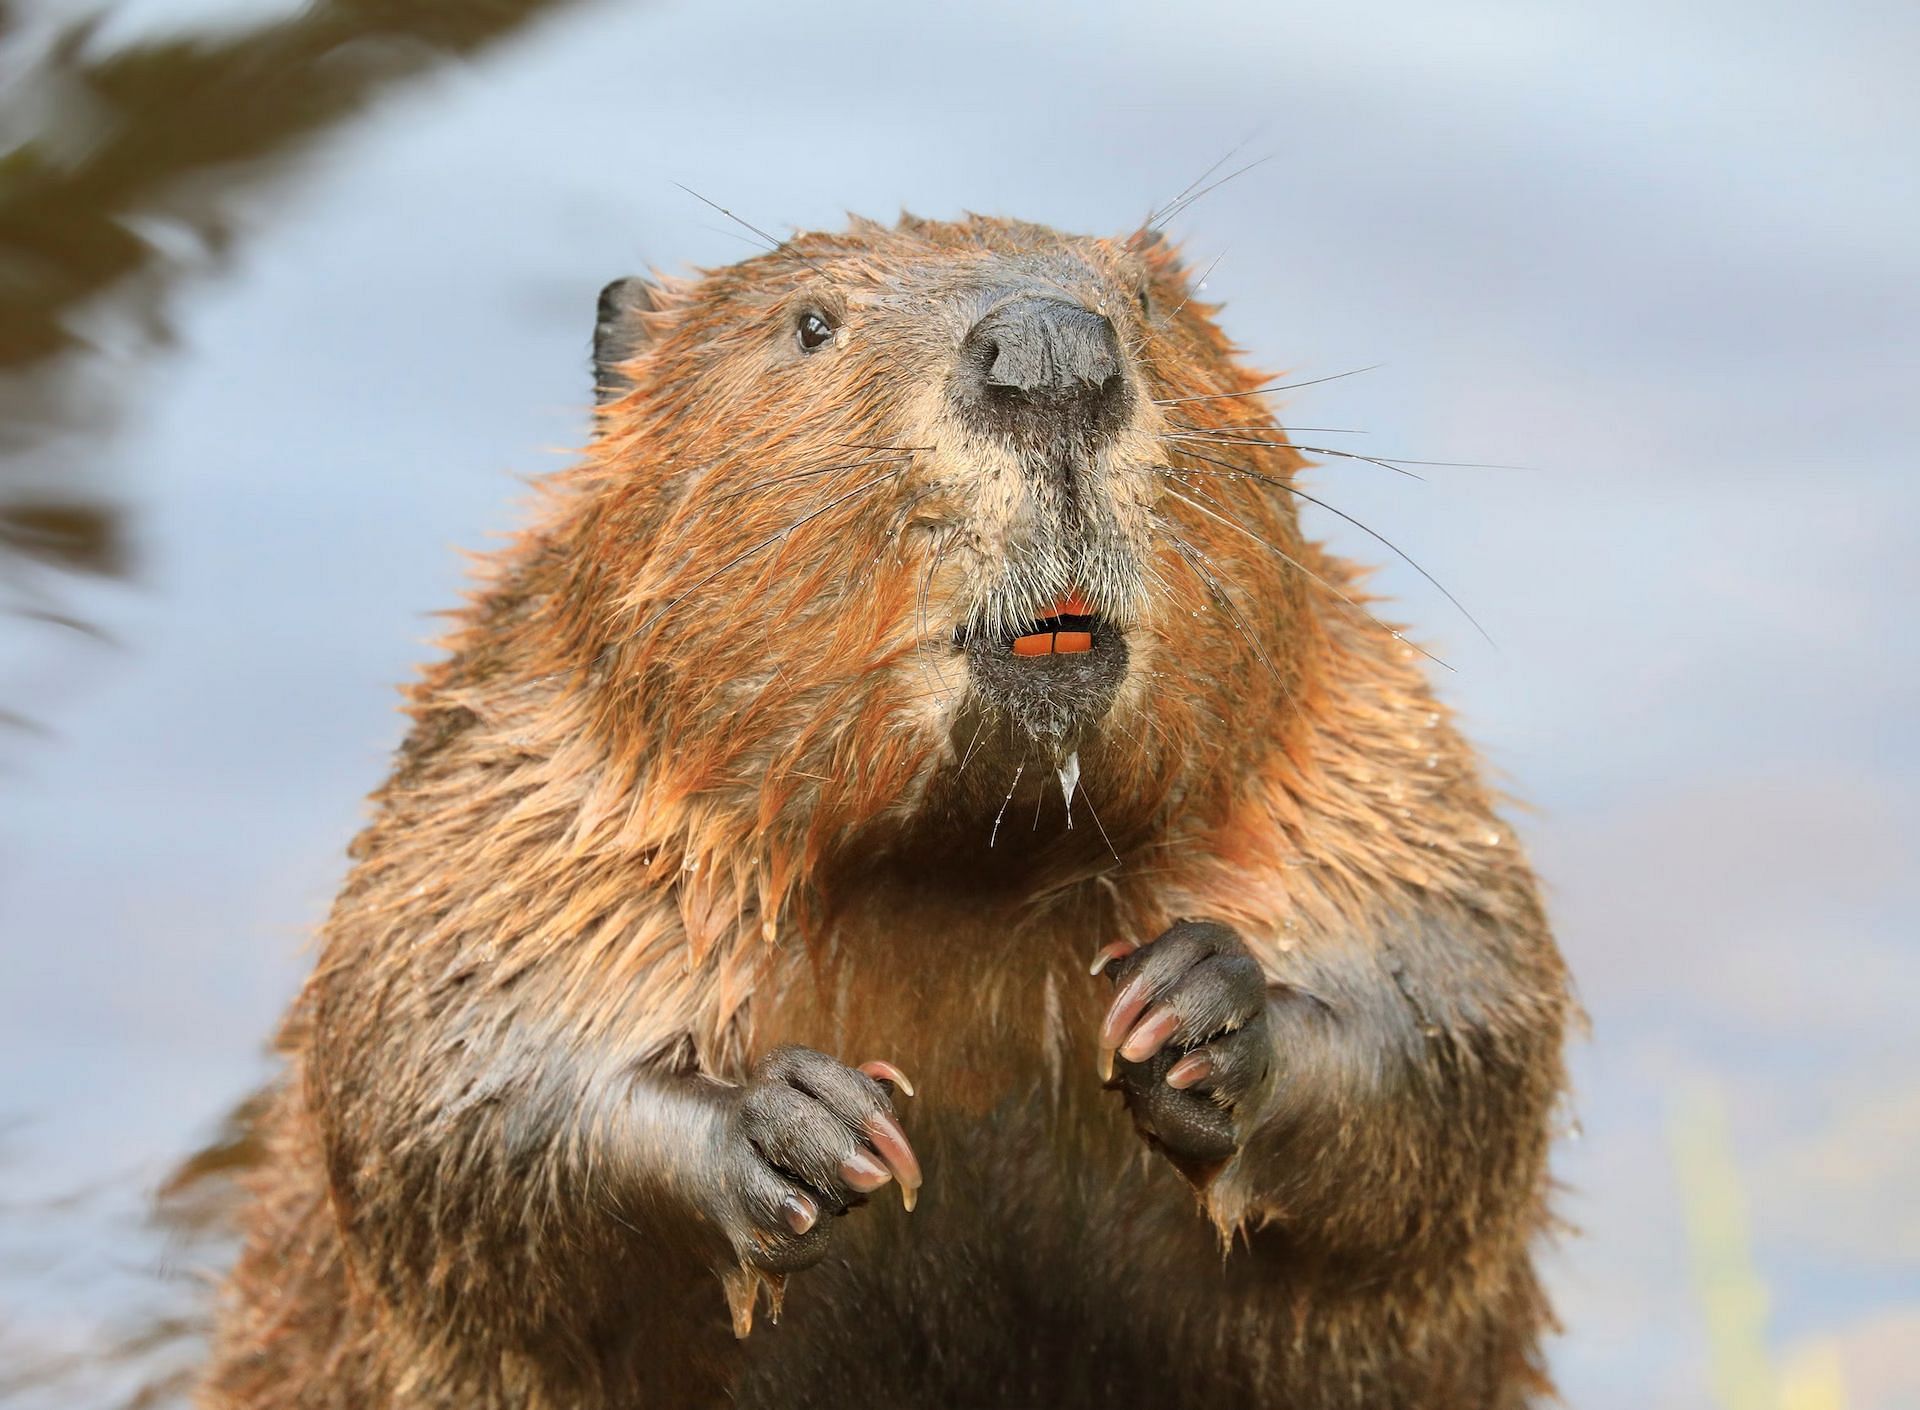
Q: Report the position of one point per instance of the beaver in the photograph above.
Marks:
(915, 761)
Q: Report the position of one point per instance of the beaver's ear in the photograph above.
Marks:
(1155, 246)
(620, 332)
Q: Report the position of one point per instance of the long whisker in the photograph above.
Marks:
(970, 745)
(1154, 217)
(1270, 425)
(904, 450)
(809, 474)
(1265, 426)
(1094, 814)
(1220, 595)
(1309, 573)
(1364, 528)
(994, 836)
(1207, 438)
(1394, 461)
(921, 645)
(777, 246)
(1387, 462)
(1186, 201)
(1193, 287)
(733, 235)
(1263, 391)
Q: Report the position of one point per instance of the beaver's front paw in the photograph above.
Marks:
(1189, 1026)
(808, 1138)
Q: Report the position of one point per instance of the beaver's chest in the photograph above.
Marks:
(1052, 1258)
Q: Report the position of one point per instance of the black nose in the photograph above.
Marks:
(1037, 369)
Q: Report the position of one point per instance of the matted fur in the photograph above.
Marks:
(698, 775)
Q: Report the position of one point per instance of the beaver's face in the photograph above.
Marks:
(946, 460)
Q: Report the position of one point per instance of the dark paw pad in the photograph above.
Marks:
(1187, 1037)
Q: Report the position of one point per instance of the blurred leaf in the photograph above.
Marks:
(75, 534)
(108, 153)
(124, 133)
(1732, 1293)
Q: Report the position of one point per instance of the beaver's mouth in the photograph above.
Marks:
(1066, 630)
(1053, 676)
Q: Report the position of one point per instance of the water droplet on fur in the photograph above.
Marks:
(1433, 761)
(1069, 780)
(1566, 1120)
(1493, 839)
(1433, 720)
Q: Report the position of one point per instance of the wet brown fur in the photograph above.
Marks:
(671, 798)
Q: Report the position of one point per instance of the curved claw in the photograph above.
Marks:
(1109, 952)
(1161, 1023)
(886, 1137)
(801, 1213)
(886, 1072)
(863, 1172)
(1191, 1070)
(1126, 1007)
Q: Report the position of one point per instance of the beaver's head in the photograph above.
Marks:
(894, 504)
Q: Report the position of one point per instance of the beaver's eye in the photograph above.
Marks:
(813, 331)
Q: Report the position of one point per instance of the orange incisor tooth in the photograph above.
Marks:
(1068, 643)
(1034, 644)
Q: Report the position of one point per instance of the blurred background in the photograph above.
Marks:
(294, 299)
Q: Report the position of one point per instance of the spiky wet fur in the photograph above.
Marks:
(689, 782)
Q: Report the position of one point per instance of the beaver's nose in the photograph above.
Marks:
(1036, 368)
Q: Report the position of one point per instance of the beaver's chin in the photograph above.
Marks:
(1048, 684)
